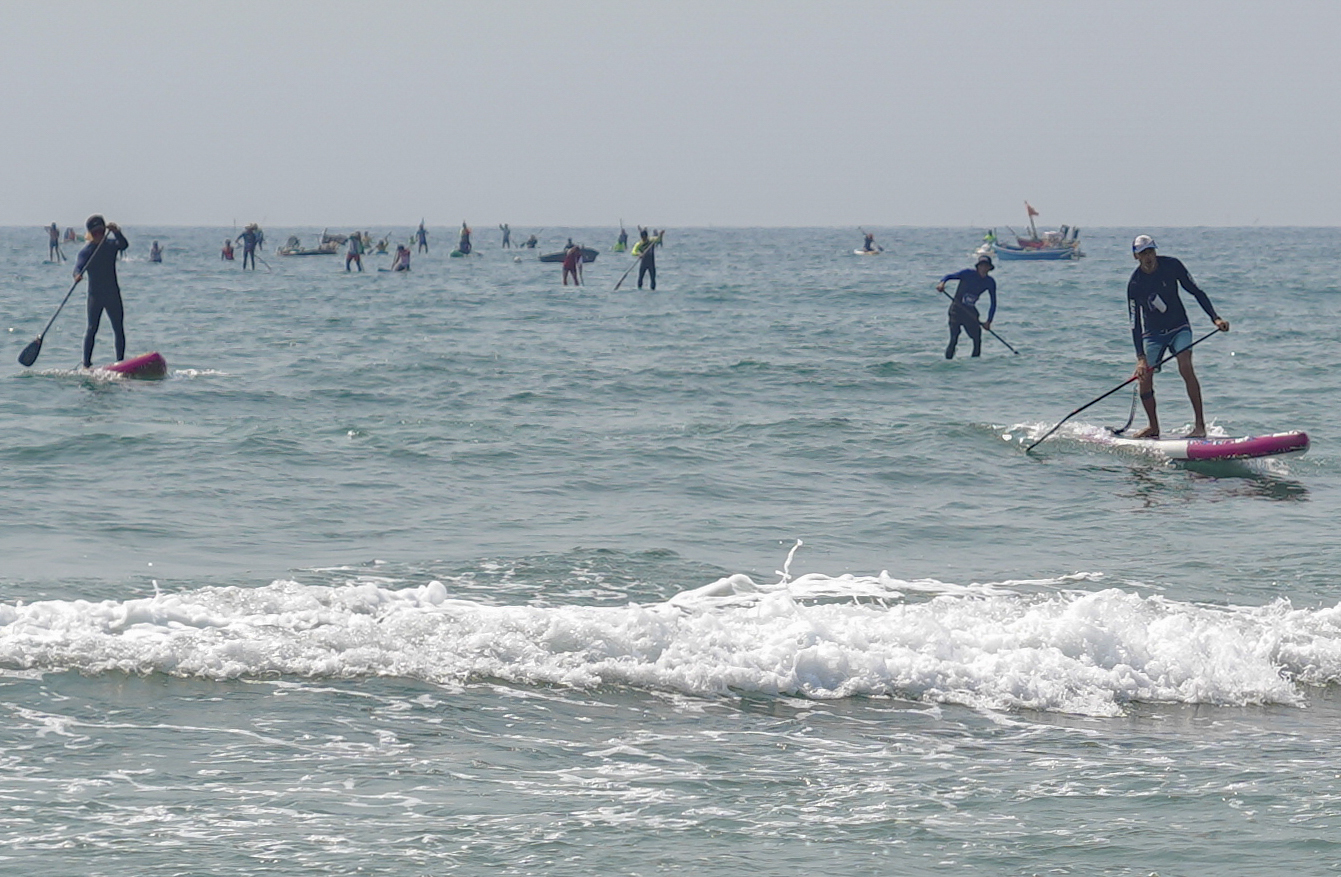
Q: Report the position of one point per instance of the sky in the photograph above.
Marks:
(671, 113)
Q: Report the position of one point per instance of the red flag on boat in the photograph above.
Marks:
(1032, 211)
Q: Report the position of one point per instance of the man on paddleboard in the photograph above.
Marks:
(98, 258)
(249, 239)
(1159, 323)
(973, 282)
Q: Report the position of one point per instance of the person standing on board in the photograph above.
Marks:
(422, 237)
(507, 236)
(622, 243)
(463, 242)
(98, 258)
(248, 239)
(868, 245)
(355, 251)
(572, 263)
(647, 256)
(155, 253)
(54, 244)
(973, 282)
(1159, 323)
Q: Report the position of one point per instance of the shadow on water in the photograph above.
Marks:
(1230, 478)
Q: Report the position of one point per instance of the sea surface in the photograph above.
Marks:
(463, 571)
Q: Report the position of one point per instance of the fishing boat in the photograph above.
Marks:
(1049, 246)
(294, 247)
(588, 255)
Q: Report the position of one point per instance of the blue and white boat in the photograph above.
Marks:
(1050, 246)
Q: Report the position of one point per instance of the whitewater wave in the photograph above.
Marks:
(1043, 645)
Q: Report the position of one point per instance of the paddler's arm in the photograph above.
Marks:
(1134, 312)
(991, 311)
(1185, 278)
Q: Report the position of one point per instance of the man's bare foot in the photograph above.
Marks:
(1197, 432)
(1148, 432)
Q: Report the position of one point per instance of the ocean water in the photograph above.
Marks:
(466, 572)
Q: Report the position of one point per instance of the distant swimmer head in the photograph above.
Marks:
(1142, 242)
(95, 222)
(985, 259)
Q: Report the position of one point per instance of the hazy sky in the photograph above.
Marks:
(671, 113)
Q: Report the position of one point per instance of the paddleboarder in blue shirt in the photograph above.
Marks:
(973, 282)
(422, 237)
(98, 259)
(1159, 323)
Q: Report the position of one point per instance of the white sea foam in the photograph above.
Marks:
(1035, 645)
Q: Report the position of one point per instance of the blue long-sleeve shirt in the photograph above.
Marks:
(971, 286)
(1153, 303)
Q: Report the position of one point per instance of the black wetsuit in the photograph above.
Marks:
(648, 264)
(104, 293)
(248, 239)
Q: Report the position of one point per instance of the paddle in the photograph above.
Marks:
(1115, 389)
(29, 354)
(985, 326)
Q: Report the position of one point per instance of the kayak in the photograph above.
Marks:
(1181, 448)
(146, 365)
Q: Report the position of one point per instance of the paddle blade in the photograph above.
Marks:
(29, 354)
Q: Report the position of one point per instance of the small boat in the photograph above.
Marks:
(1041, 254)
(588, 255)
(294, 248)
(1050, 246)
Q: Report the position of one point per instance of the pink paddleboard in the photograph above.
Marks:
(146, 365)
(1217, 448)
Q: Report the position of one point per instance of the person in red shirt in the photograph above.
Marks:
(572, 264)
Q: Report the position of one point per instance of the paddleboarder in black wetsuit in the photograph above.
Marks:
(973, 282)
(507, 235)
(98, 259)
(422, 237)
(249, 239)
(647, 256)
(1159, 323)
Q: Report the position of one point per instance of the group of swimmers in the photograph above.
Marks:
(1159, 322)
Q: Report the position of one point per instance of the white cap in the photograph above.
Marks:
(1142, 242)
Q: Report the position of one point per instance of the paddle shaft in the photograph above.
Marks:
(988, 328)
(1115, 389)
